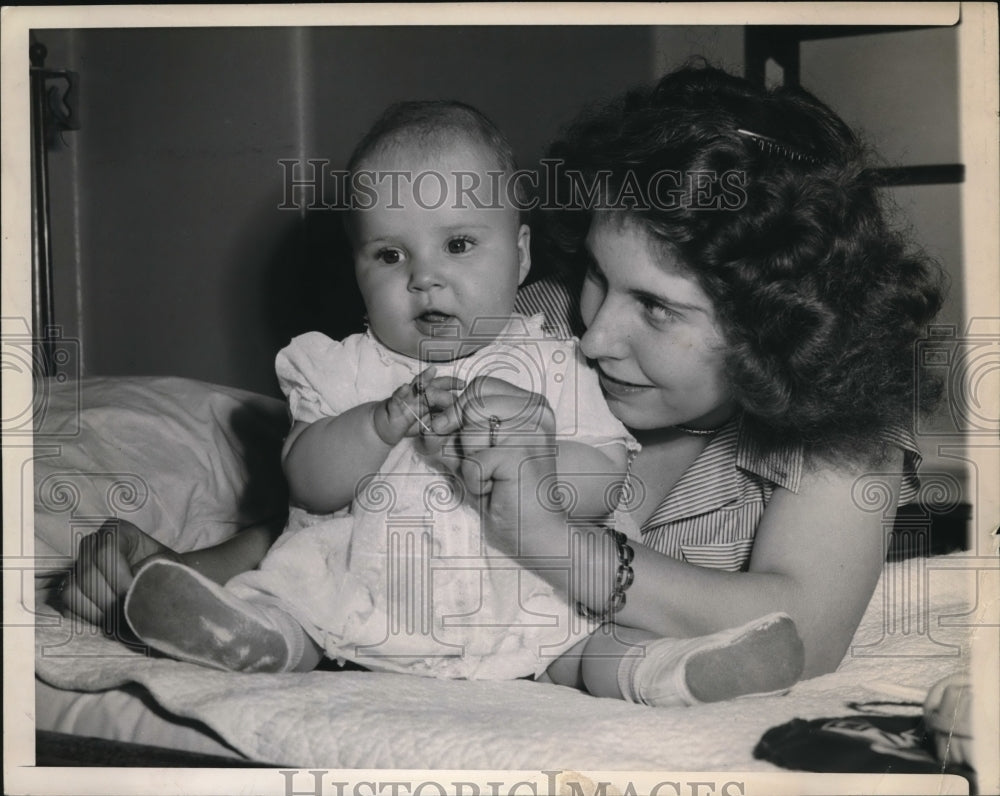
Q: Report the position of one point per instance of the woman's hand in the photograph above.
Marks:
(502, 446)
(491, 412)
(103, 570)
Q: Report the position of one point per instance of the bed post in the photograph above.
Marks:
(41, 248)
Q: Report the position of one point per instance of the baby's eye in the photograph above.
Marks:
(460, 245)
(389, 256)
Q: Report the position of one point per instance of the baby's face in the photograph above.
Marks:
(437, 272)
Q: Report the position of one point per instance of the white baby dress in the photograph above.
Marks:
(403, 580)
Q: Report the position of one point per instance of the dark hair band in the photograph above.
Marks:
(772, 146)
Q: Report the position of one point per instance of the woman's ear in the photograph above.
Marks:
(523, 253)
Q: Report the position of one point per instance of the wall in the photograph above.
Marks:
(901, 91)
(172, 257)
(720, 45)
(170, 253)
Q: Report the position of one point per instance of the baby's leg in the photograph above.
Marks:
(567, 669)
(764, 656)
(183, 614)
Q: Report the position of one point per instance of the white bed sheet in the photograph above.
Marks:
(191, 462)
(127, 714)
(913, 634)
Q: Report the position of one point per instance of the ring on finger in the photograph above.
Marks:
(495, 423)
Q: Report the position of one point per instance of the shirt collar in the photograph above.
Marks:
(780, 466)
(718, 475)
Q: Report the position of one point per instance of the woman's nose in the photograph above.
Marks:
(425, 274)
(605, 337)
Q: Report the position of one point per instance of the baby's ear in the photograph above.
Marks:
(523, 253)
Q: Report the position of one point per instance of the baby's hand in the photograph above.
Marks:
(412, 408)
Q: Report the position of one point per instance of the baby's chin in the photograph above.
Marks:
(440, 351)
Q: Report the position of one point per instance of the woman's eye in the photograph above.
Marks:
(656, 312)
(389, 256)
(459, 245)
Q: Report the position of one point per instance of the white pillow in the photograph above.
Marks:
(188, 462)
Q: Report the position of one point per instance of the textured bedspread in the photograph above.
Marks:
(916, 631)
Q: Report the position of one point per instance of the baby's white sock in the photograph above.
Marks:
(762, 657)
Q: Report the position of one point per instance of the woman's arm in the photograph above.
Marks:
(828, 548)
(594, 476)
(817, 557)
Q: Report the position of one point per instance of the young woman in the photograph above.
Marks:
(752, 319)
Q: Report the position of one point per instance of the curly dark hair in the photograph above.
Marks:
(819, 300)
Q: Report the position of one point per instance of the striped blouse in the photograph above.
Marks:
(710, 517)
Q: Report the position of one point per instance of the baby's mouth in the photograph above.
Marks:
(433, 316)
(437, 324)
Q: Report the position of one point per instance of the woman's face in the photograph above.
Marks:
(651, 331)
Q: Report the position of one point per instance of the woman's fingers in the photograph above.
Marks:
(483, 470)
(478, 401)
(475, 478)
(491, 414)
(505, 481)
(492, 417)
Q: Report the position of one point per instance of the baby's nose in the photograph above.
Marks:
(425, 274)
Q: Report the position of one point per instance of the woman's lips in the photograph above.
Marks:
(618, 387)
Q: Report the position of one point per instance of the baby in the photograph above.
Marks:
(383, 560)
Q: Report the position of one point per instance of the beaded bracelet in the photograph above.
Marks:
(624, 575)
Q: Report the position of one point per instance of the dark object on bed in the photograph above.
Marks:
(59, 749)
(871, 744)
